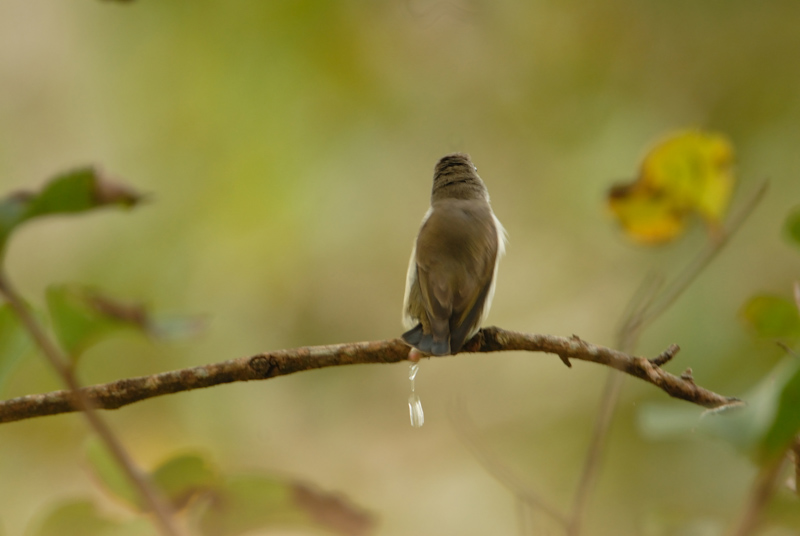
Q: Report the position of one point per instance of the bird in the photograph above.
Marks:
(453, 267)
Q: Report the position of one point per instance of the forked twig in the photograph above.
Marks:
(646, 306)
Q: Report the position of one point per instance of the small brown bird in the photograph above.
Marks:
(453, 267)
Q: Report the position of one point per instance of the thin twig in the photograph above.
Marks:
(80, 400)
(523, 517)
(646, 306)
(282, 362)
(763, 488)
(591, 464)
(679, 285)
(491, 463)
(796, 453)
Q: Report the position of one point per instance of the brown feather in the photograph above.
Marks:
(452, 268)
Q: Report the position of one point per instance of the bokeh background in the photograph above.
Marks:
(288, 149)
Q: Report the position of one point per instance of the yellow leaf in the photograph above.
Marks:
(647, 218)
(687, 173)
(694, 169)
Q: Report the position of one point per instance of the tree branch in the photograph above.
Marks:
(282, 362)
(647, 305)
(764, 487)
(80, 400)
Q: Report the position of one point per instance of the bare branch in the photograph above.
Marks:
(763, 489)
(526, 497)
(282, 362)
(646, 306)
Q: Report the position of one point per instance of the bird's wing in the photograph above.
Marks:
(455, 277)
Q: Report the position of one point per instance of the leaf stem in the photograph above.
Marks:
(647, 305)
(763, 489)
(151, 496)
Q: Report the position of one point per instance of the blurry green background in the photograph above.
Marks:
(288, 148)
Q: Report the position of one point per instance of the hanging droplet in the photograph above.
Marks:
(414, 403)
(412, 373)
(415, 410)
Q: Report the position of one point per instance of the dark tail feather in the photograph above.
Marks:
(413, 336)
(424, 342)
(440, 348)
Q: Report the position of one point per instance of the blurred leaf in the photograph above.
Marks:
(174, 327)
(249, 502)
(12, 213)
(73, 192)
(646, 218)
(786, 424)
(77, 320)
(694, 169)
(81, 518)
(14, 342)
(78, 191)
(666, 521)
(744, 427)
(180, 478)
(333, 512)
(82, 317)
(772, 316)
(793, 227)
(246, 503)
(688, 173)
(163, 327)
(110, 475)
(667, 421)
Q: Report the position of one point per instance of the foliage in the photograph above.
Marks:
(229, 505)
(73, 192)
(687, 173)
(14, 342)
(82, 317)
(287, 143)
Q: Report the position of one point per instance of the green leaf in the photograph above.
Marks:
(12, 213)
(792, 227)
(250, 502)
(246, 503)
(78, 191)
(180, 478)
(73, 192)
(747, 428)
(14, 342)
(772, 316)
(81, 518)
(83, 316)
(786, 424)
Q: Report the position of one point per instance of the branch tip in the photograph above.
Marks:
(665, 356)
(686, 375)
